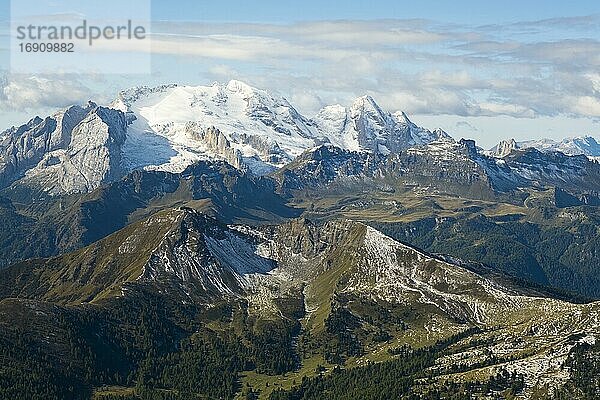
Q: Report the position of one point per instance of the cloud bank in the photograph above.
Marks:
(527, 69)
(18, 93)
(523, 70)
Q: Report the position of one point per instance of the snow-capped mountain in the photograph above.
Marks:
(572, 146)
(580, 145)
(251, 127)
(366, 127)
(248, 126)
(170, 127)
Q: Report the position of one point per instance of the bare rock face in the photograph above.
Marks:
(217, 143)
(376, 129)
(73, 151)
(504, 148)
(267, 149)
(25, 146)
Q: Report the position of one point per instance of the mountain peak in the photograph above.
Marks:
(576, 145)
(366, 103)
(504, 148)
(75, 150)
(441, 134)
(586, 140)
(333, 109)
(365, 99)
(402, 118)
(469, 145)
(240, 87)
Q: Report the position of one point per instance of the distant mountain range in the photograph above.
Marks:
(573, 146)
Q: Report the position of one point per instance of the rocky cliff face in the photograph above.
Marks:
(25, 146)
(72, 151)
(446, 166)
(504, 148)
(216, 143)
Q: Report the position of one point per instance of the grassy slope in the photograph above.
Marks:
(93, 272)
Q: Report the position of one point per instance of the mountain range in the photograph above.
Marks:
(212, 242)
(573, 146)
(170, 127)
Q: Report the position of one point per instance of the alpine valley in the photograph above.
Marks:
(211, 242)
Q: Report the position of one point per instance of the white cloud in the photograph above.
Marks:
(29, 93)
(452, 79)
(587, 105)
(223, 72)
(513, 110)
(594, 78)
(306, 101)
(417, 66)
(463, 125)
(522, 70)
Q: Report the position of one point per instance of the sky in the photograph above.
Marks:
(482, 70)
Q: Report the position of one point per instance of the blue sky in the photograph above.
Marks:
(463, 12)
(467, 12)
(486, 70)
